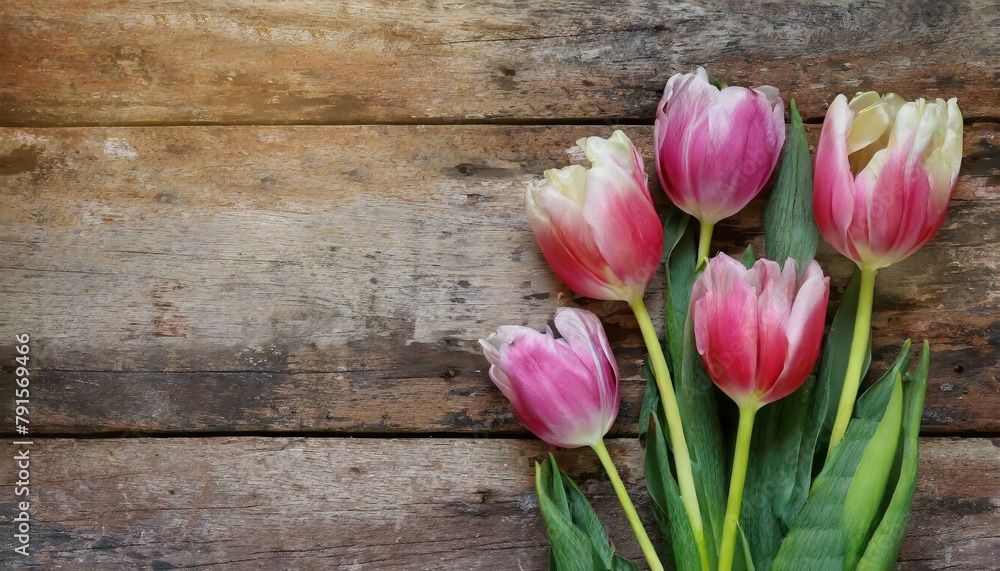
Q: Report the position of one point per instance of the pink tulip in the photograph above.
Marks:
(885, 173)
(758, 331)
(715, 148)
(564, 390)
(597, 227)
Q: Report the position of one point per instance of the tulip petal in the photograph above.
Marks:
(804, 332)
(775, 292)
(725, 325)
(585, 335)
(900, 219)
(566, 242)
(556, 397)
(624, 226)
(833, 183)
(619, 151)
(868, 126)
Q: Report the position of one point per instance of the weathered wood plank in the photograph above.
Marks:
(337, 278)
(391, 504)
(80, 62)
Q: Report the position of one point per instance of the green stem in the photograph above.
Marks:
(633, 518)
(736, 484)
(859, 348)
(682, 458)
(704, 244)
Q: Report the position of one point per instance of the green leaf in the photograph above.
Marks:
(678, 229)
(819, 538)
(619, 563)
(570, 548)
(650, 399)
(696, 395)
(789, 228)
(748, 258)
(577, 540)
(674, 525)
(864, 496)
(747, 556)
(883, 548)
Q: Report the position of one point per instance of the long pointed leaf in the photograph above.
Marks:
(789, 228)
(817, 539)
(570, 549)
(883, 548)
(674, 525)
(864, 497)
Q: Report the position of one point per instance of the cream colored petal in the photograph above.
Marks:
(952, 145)
(616, 149)
(938, 167)
(570, 181)
(863, 100)
(893, 102)
(868, 126)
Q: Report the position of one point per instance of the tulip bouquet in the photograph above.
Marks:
(756, 457)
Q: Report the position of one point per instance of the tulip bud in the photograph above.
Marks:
(885, 173)
(597, 227)
(759, 330)
(716, 148)
(565, 390)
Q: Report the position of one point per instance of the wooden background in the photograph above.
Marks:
(254, 244)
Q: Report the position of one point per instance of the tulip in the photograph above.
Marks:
(715, 148)
(597, 227)
(565, 390)
(758, 332)
(885, 173)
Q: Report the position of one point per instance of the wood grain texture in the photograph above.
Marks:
(336, 279)
(287, 503)
(80, 62)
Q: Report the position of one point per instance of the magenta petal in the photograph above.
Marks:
(898, 218)
(566, 241)
(725, 326)
(833, 182)
(585, 335)
(624, 226)
(774, 304)
(556, 397)
(805, 333)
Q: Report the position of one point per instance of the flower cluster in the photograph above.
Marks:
(885, 170)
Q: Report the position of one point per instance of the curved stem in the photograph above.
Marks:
(633, 518)
(859, 348)
(704, 244)
(736, 484)
(675, 430)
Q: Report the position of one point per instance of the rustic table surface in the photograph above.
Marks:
(254, 245)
